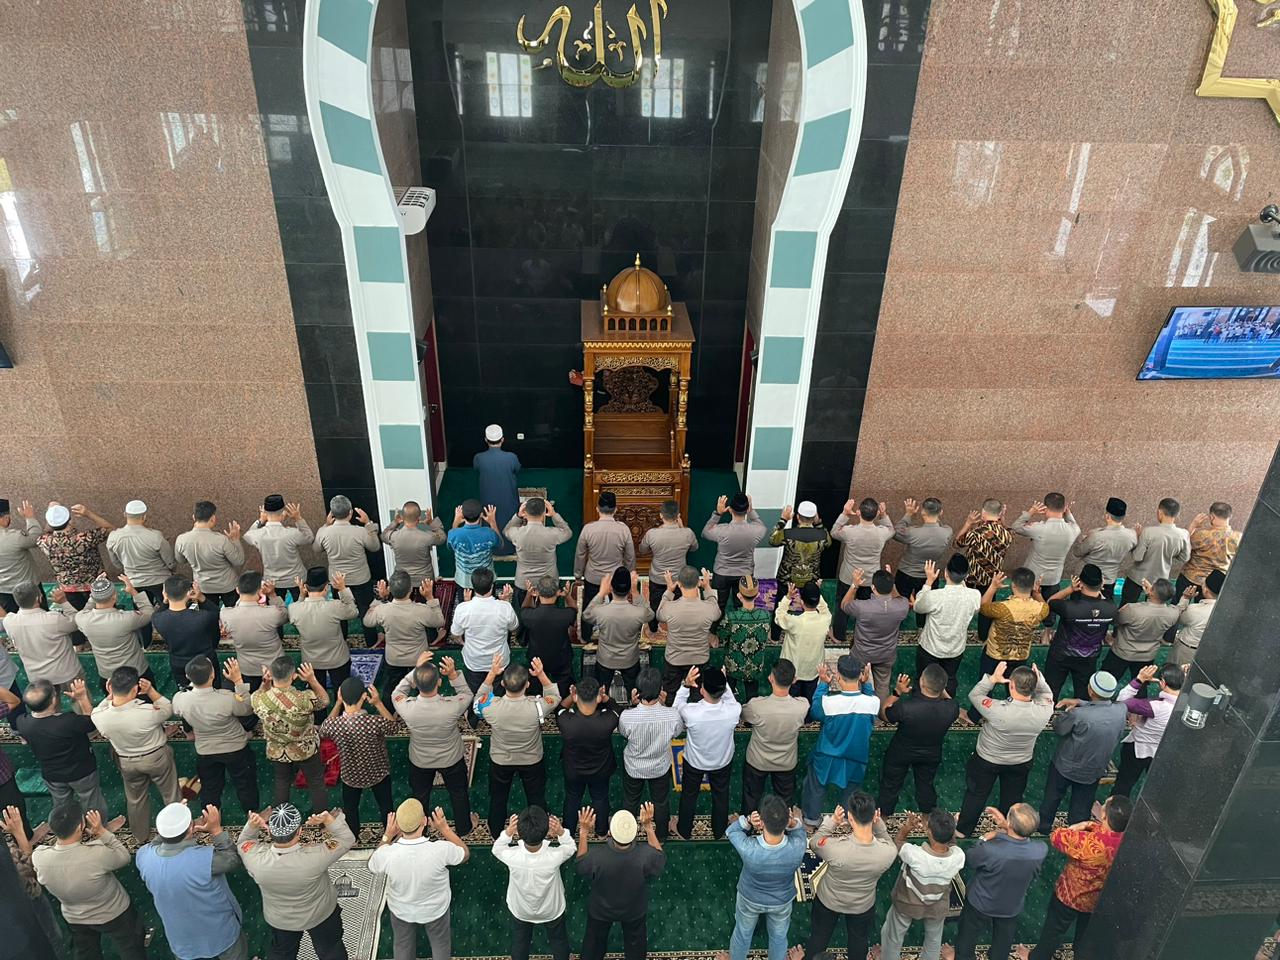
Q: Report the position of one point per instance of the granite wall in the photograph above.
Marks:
(144, 302)
(1064, 188)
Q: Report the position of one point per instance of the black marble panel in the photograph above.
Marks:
(833, 412)
(319, 294)
(1240, 850)
(1223, 920)
(308, 230)
(895, 30)
(709, 446)
(860, 241)
(529, 364)
(721, 322)
(328, 354)
(891, 97)
(344, 463)
(502, 321)
(528, 170)
(851, 302)
(877, 174)
(337, 410)
(841, 360)
(672, 173)
(450, 269)
(460, 366)
(733, 173)
(455, 319)
(549, 417)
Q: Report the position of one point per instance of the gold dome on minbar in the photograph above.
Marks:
(637, 292)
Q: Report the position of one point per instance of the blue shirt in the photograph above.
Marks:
(847, 717)
(472, 546)
(768, 877)
(201, 916)
(1002, 870)
(496, 471)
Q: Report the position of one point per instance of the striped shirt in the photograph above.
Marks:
(648, 730)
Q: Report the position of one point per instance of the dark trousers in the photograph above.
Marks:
(212, 769)
(8, 604)
(822, 924)
(474, 679)
(974, 923)
(659, 795)
(1079, 808)
(125, 933)
(326, 937)
(950, 664)
(1059, 665)
(897, 762)
(980, 776)
(363, 594)
(605, 676)
(1118, 667)
(351, 802)
(575, 788)
(1057, 921)
(390, 679)
(804, 688)
(691, 785)
(1132, 767)
(589, 592)
(753, 781)
(656, 589)
(522, 938)
(984, 628)
(839, 619)
(533, 777)
(156, 595)
(230, 598)
(422, 779)
(1179, 587)
(78, 599)
(909, 586)
(635, 938)
(673, 675)
(1131, 591)
(283, 774)
(178, 671)
(725, 587)
(331, 679)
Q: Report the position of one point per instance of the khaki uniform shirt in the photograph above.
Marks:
(604, 545)
(254, 631)
(281, 549)
(1108, 549)
(322, 636)
(135, 729)
(735, 544)
(516, 724)
(407, 626)
(670, 548)
(348, 547)
(214, 715)
(142, 553)
(1051, 541)
(1140, 630)
(82, 877)
(412, 546)
(18, 543)
(43, 641)
(214, 558)
(536, 547)
(297, 893)
(1159, 548)
(435, 742)
(113, 635)
(689, 622)
(617, 629)
(775, 730)
(861, 544)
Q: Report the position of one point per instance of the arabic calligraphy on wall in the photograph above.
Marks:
(599, 53)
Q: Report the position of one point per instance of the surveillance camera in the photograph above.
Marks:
(1270, 214)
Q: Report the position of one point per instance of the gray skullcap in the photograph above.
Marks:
(102, 589)
(286, 820)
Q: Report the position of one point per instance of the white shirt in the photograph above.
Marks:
(535, 892)
(709, 729)
(1147, 733)
(950, 611)
(485, 625)
(417, 872)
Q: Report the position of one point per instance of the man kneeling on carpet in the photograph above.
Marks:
(297, 895)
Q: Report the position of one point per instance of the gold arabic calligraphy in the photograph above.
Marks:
(589, 61)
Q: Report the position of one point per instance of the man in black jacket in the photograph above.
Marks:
(923, 720)
(189, 625)
(587, 720)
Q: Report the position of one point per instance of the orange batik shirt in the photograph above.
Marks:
(1091, 852)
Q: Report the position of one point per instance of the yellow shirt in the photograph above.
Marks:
(1014, 626)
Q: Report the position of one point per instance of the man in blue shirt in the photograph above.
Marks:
(847, 713)
(496, 471)
(771, 844)
(473, 543)
(1002, 866)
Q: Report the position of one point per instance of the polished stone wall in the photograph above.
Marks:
(144, 300)
(547, 191)
(311, 245)
(1064, 188)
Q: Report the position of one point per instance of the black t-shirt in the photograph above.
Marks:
(189, 633)
(1083, 624)
(545, 631)
(60, 743)
(587, 742)
(619, 878)
(922, 722)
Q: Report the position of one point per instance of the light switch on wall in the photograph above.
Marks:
(519, 436)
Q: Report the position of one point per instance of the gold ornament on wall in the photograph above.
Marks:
(590, 60)
(1213, 83)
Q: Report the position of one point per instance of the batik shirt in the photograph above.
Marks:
(801, 552)
(743, 632)
(74, 555)
(1014, 626)
(985, 545)
(288, 724)
(1091, 852)
(1212, 548)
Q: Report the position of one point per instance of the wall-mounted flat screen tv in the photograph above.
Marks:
(1216, 343)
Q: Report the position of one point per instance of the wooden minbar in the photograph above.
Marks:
(637, 347)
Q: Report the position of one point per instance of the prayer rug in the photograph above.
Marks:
(361, 895)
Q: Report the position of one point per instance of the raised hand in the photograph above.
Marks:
(506, 593)
(840, 817)
(339, 581)
(850, 508)
(513, 826)
(722, 504)
(490, 514)
(535, 667)
(320, 819)
(383, 590)
(232, 669)
(211, 822)
(427, 588)
(911, 506)
(27, 509)
(998, 676)
(13, 822)
(93, 824)
(361, 515)
(903, 686)
(587, 820)
(58, 595)
(757, 824)
(372, 693)
(691, 678)
(1147, 673)
(930, 572)
(392, 829)
(439, 822)
(787, 513)
(447, 668)
(646, 814)
(77, 690)
(307, 672)
(259, 820)
(144, 686)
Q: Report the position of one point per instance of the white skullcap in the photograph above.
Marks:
(493, 433)
(807, 509)
(135, 508)
(174, 821)
(57, 515)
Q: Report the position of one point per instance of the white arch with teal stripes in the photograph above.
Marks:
(337, 39)
(833, 43)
